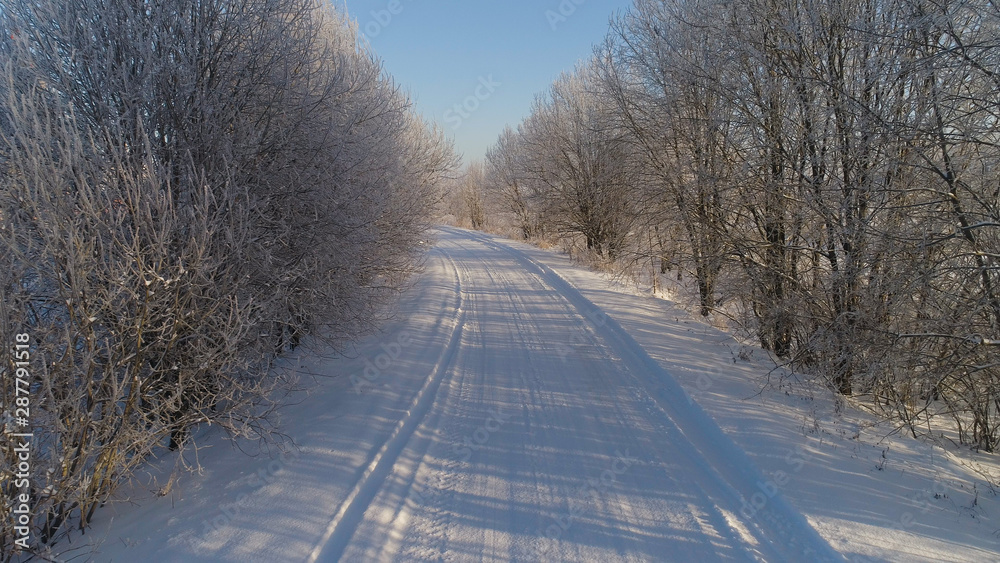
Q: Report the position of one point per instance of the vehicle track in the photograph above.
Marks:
(578, 388)
(731, 478)
(350, 512)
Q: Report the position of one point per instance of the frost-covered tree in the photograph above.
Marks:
(186, 188)
(825, 170)
(570, 163)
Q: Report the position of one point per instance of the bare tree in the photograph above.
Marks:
(578, 163)
(831, 167)
(505, 172)
(660, 74)
(471, 192)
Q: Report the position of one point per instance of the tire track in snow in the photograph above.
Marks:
(550, 496)
(777, 526)
(437, 532)
(712, 518)
(351, 511)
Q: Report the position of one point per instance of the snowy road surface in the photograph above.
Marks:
(502, 416)
(544, 432)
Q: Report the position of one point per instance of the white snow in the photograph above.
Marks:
(521, 409)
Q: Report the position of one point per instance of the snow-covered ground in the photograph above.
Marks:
(520, 408)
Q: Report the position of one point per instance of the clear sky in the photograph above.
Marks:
(476, 65)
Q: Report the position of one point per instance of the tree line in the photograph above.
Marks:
(826, 172)
(188, 188)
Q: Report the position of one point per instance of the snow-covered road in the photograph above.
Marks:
(518, 408)
(544, 432)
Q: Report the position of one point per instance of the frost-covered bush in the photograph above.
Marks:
(186, 189)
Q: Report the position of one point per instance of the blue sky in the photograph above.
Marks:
(474, 66)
